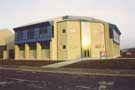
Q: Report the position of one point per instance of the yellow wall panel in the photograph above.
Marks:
(73, 40)
(5, 54)
(107, 39)
(62, 41)
(45, 54)
(116, 50)
(38, 51)
(6, 39)
(97, 39)
(27, 51)
(21, 55)
(53, 42)
(32, 54)
(17, 52)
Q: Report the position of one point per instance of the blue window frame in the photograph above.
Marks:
(43, 31)
(31, 34)
(19, 36)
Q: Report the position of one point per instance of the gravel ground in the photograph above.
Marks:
(105, 64)
(33, 63)
(29, 80)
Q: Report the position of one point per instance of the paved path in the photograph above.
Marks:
(27, 80)
(75, 71)
(68, 62)
(61, 64)
(65, 63)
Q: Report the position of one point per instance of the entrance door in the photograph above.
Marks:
(11, 54)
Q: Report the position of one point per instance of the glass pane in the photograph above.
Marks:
(85, 28)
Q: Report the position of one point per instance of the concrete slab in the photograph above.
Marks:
(61, 64)
(68, 62)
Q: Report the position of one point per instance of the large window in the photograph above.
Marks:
(19, 35)
(30, 34)
(85, 27)
(43, 31)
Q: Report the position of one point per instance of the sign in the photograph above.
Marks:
(103, 54)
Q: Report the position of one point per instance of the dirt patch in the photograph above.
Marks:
(105, 64)
(35, 63)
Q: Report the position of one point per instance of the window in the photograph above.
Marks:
(88, 53)
(19, 35)
(43, 32)
(64, 31)
(64, 46)
(30, 34)
(85, 54)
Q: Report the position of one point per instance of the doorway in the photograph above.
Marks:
(11, 54)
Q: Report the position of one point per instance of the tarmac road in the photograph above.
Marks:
(27, 80)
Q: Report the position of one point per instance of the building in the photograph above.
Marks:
(128, 53)
(67, 38)
(6, 44)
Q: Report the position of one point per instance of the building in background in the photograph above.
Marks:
(6, 44)
(67, 38)
(128, 53)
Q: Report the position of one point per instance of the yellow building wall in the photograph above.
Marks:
(116, 50)
(32, 54)
(42, 54)
(53, 42)
(17, 52)
(21, 54)
(107, 40)
(27, 51)
(62, 40)
(5, 54)
(45, 54)
(97, 39)
(6, 39)
(111, 49)
(38, 51)
(73, 40)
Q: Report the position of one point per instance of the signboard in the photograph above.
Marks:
(103, 54)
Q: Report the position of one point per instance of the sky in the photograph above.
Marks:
(15, 13)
